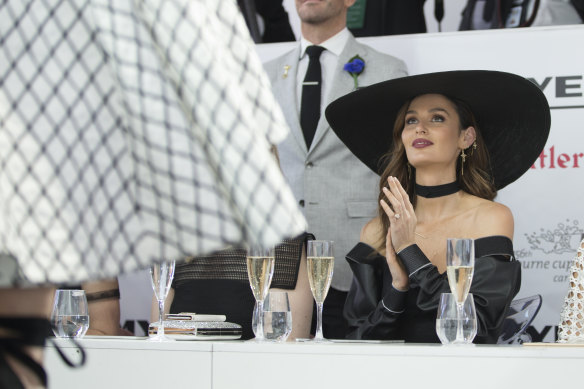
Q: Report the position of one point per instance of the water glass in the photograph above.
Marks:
(449, 322)
(277, 318)
(70, 315)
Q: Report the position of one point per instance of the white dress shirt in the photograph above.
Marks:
(328, 62)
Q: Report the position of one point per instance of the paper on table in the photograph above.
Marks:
(352, 340)
(114, 337)
(191, 316)
(542, 344)
(365, 341)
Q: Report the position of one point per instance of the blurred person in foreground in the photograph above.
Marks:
(125, 142)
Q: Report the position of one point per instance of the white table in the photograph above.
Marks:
(234, 364)
(129, 364)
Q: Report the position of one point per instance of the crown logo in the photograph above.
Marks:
(565, 238)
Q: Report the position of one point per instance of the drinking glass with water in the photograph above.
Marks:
(277, 317)
(450, 323)
(70, 315)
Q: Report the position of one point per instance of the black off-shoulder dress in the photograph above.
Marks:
(376, 310)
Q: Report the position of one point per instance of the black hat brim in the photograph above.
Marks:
(512, 114)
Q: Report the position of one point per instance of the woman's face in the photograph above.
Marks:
(431, 133)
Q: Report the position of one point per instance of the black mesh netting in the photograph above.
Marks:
(132, 131)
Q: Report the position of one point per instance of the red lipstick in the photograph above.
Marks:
(421, 143)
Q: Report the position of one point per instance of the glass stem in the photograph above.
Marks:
(254, 320)
(260, 320)
(319, 334)
(459, 316)
(160, 318)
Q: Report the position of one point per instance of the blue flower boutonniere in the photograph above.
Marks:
(355, 67)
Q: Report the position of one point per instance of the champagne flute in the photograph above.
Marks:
(460, 268)
(162, 274)
(320, 263)
(260, 269)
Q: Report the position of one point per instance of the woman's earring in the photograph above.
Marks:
(463, 159)
(474, 147)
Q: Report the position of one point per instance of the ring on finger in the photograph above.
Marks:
(396, 216)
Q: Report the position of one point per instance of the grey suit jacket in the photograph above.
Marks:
(337, 192)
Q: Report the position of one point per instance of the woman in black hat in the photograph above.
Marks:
(458, 137)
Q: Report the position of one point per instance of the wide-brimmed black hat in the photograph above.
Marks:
(512, 114)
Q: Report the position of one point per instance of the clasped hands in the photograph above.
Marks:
(401, 231)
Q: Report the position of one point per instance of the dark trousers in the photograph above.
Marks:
(334, 325)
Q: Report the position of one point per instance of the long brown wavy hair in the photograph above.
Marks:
(477, 179)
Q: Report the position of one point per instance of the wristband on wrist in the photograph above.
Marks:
(103, 295)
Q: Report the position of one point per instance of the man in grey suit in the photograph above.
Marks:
(336, 191)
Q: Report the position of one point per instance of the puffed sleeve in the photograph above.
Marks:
(373, 305)
(496, 280)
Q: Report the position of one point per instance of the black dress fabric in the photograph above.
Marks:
(376, 310)
(217, 297)
(217, 284)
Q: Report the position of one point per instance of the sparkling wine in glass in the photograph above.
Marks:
(162, 274)
(460, 268)
(320, 263)
(260, 269)
(70, 315)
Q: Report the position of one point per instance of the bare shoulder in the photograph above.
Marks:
(494, 219)
(371, 232)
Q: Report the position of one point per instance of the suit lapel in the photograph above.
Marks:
(342, 83)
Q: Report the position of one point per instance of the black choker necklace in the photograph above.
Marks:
(431, 192)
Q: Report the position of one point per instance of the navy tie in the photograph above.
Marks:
(311, 90)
